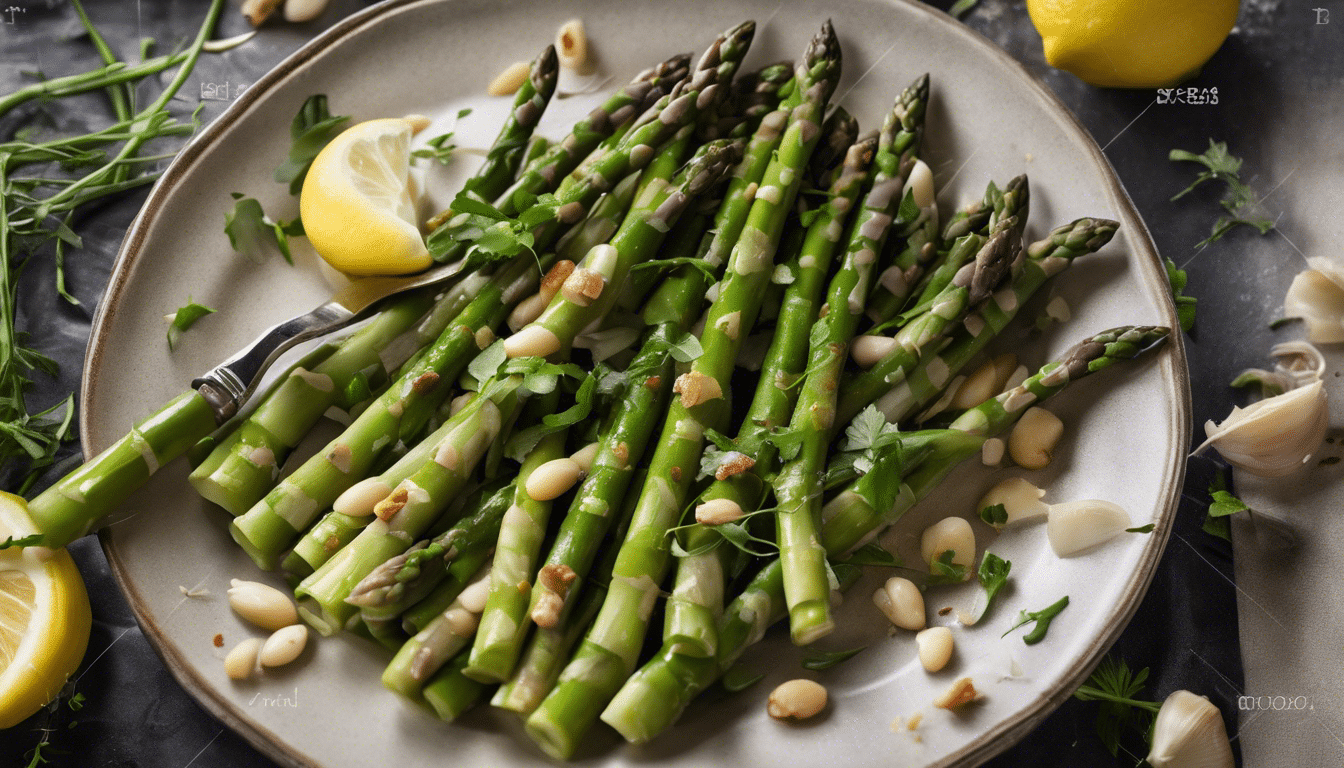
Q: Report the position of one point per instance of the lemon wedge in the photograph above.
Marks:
(356, 201)
(1132, 43)
(44, 618)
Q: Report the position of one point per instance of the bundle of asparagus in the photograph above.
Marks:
(500, 512)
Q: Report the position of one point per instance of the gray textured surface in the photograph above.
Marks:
(1272, 77)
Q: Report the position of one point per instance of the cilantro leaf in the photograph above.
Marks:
(312, 129)
(184, 318)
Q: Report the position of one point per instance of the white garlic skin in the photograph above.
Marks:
(1276, 436)
(1189, 733)
(1077, 526)
(1317, 296)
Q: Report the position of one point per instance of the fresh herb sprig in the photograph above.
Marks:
(1042, 618)
(1118, 688)
(1241, 203)
(44, 185)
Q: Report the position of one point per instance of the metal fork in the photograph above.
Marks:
(228, 385)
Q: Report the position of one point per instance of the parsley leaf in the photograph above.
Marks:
(1185, 305)
(1117, 688)
(254, 234)
(184, 318)
(1042, 618)
(311, 130)
(1239, 200)
(993, 574)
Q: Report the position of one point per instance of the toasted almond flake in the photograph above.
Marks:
(733, 463)
(391, 505)
(961, 692)
(583, 287)
(696, 388)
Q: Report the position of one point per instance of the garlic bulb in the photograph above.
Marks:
(1275, 436)
(1075, 526)
(1189, 733)
(1317, 296)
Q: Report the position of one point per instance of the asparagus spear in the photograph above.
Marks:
(452, 557)
(697, 595)
(797, 486)
(559, 159)
(972, 286)
(609, 652)
(659, 692)
(499, 637)
(1043, 259)
(272, 524)
(671, 310)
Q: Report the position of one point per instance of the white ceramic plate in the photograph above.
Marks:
(1126, 439)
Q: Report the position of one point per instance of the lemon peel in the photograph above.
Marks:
(1132, 43)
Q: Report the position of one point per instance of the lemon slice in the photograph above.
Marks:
(356, 202)
(44, 618)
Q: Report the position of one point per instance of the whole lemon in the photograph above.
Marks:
(1132, 43)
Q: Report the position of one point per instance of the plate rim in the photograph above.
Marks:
(991, 742)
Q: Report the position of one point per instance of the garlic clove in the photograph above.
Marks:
(1189, 733)
(950, 533)
(1317, 296)
(1020, 499)
(1076, 526)
(1275, 436)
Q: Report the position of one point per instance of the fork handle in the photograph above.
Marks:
(226, 386)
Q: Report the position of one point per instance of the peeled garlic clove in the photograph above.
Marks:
(1317, 296)
(1189, 733)
(1020, 499)
(950, 533)
(1075, 526)
(901, 602)
(1033, 439)
(262, 604)
(935, 646)
(1275, 436)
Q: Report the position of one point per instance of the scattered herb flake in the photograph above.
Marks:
(1142, 528)
(828, 659)
(993, 574)
(1185, 305)
(995, 515)
(184, 318)
(1042, 618)
(739, 678)
(943, 571)
(254, 234)
(439, 148)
